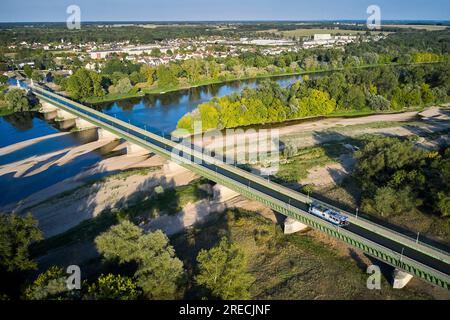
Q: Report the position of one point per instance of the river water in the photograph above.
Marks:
(157, 113)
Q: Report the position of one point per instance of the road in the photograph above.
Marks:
(268, 189)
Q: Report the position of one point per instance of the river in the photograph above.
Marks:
(157, 113)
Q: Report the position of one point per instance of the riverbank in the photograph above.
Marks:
(162, 90)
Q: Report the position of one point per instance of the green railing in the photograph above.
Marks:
(376, 250)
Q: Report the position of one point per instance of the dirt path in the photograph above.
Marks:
(310, 133)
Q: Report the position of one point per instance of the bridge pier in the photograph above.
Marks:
(82, 124)
(222, 194)
(105, 134)
(63, 115)
(293, 226)
(134, 149)
(48, 110)
(400, 279)
(65, 119)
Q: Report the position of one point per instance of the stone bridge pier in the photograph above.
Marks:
(222, 194)
(82, 124)
(293, 226)
(134, 150)
(400, 279)
(103, 134)
(48, 110)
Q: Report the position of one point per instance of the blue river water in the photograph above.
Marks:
(154, 112)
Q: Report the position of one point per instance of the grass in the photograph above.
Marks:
(112, 97)
(5, 112)
(285, 266)
(170, 201)
(296, 167)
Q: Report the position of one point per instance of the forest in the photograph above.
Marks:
(377, 89)
(396, 177)
(120, 77)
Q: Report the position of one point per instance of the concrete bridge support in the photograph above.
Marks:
(82, 124)
(400, 279)
(222, 194)
(49, 111)
(105, 134)
(293, 226)
(65, 119)
(63, 115)
(133, 149)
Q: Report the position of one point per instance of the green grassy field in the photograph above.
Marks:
(297, 267)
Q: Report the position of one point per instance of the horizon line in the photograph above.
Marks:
(232, 20)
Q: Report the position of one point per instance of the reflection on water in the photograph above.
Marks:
(156, 112)
(19, 127)
(161, 112)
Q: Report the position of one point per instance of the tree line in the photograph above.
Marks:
(397, 177)
(378, 89)
(149, 267)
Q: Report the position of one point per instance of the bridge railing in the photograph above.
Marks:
(276, 204)
(360, 221)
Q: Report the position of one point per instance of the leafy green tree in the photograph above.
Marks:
(166, 77)
(50, 285)
(426, 94)
(84, 84)
(186, 123)
(16, 235)
(377, 102)
(27, 70)
(192, 68)
(37, 76)
(113, 287)
(389, 201)
(159, 270)
(223, 270)
(148, 73)
(209, 116)
(3, 79)
(444, 204)
(17, 100)
(122, 87)
(156, 52)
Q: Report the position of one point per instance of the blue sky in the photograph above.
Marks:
(172, 10)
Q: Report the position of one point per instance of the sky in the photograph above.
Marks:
(209, 10)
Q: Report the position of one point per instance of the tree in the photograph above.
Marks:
(122, 87)
(166, 76)
(37, 76)
(84, 84)
(377, 102)
(209, 116)
(50, 285)
(113, 287)
(156, 52)
(158, 269)
(427, 94)
(148, 73)
(16, 235)
(17, 100)
(223, 270)
(186, 123)
(389, 201)
(3, 79)
(27, 70)
(192, 68)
